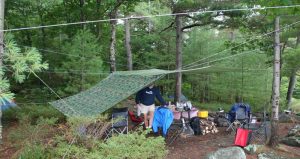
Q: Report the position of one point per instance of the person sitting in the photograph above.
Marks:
(145, 99)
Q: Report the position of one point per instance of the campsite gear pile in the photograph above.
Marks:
(185, 114)
(185, 107)
(199, 122)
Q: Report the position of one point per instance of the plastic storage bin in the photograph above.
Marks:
(202, 114)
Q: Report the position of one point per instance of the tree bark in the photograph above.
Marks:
(98, 29)
(127, 44)
(113, 24)
(291, 87)
(178, 22)
(2, 2)
(42, 29)
(81, 4)
(276, 87)
(293, 80)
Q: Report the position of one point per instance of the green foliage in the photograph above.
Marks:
(30, 60)
(295, 105)
(30, 138)
(84, 57)
(283, 92)
(76, 57)
(134, 145)
(64, 149)
(291, 60)
(32, 113)
(27, 133)
(34, 151)
(212, 106)
(19, 63)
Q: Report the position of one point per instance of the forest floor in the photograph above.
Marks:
(7, 150)
(197, 147)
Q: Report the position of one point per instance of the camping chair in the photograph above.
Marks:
(239, 116)
(173, 132)
(137, 121)
(119, 122)
(178, 127)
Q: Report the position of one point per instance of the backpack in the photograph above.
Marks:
(195, 125)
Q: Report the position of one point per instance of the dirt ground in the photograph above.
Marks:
(195, 147)
(6, 150)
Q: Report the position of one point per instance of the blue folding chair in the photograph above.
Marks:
(119, 122)
(238, 116)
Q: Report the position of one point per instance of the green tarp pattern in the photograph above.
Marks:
(109, 92)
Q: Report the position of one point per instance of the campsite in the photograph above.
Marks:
(163, 79)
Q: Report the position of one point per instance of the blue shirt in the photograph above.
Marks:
(147, 95)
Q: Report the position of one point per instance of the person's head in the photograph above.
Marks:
(151, 85)
(239, 99)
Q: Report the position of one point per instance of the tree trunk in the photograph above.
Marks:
(1, 52)
(28, 40)
(298, 40)
(81, 4)
(178, 22)
(42, 30)
(67, 14)
(127, 44)
(276, 87)
(292, 83)
(293, 80)
(98, 28)
(113, 41)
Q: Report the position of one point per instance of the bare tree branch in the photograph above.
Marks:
(188, 16)
(191, 26)
(168, 27)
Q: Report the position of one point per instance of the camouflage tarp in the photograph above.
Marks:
(110, 91)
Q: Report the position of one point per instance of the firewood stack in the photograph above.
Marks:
(208, 127)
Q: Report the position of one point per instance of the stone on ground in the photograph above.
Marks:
(293, 137)
(228, 153)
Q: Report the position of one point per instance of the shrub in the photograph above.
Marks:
(70, 150)
(133, 145)
(36, 152)
(28, 134)
(33, 112)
